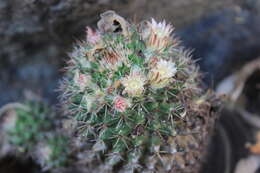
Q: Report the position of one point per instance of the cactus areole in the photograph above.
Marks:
(135, 95)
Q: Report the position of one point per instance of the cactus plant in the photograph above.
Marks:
(28, 130)
(136, 98)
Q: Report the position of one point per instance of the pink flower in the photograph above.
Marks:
(121, 104)
(93, 37)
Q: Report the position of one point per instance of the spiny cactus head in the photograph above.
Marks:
(30, 131)
(130, 88)
(30, 120)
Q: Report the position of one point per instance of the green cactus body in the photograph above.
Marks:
(30, 120)
(132, 90)
(29, 129)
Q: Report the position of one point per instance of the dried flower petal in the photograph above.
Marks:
(115, 57)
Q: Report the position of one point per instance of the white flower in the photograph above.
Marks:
(161, 29)
(166, 69)
(157, 35)
(134, 83)
(161, 74)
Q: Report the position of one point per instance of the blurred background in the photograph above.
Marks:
(36, 35)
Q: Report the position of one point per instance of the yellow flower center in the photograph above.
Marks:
(134, 84)
(162, 71)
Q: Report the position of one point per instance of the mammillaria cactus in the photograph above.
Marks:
(135, 96)
(28, 130)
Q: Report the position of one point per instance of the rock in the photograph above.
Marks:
(223, 41)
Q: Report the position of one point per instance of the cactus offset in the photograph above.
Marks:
(29, 130)
(134, 93)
